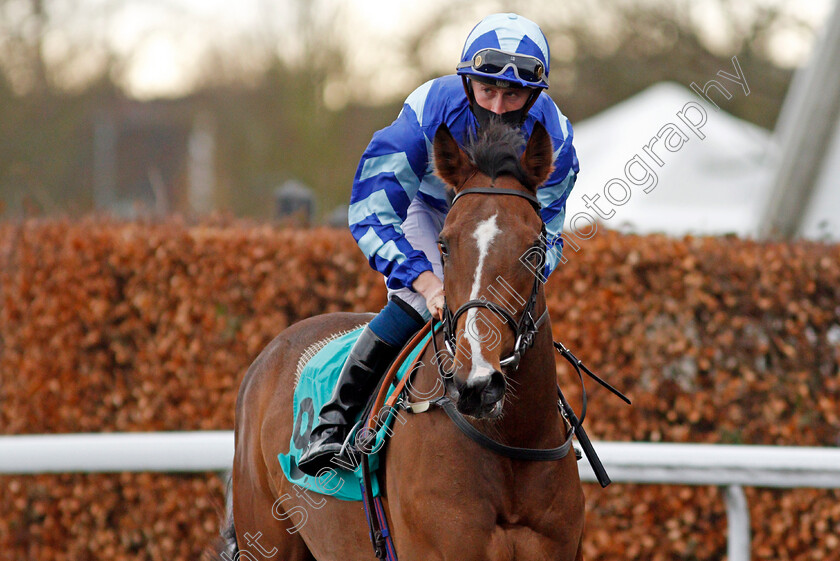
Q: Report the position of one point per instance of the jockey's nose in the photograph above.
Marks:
(497, 105)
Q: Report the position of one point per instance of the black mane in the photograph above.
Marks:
(496, 151)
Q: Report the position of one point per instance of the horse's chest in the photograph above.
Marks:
(512, 542)
(535, 527)
(474, 506)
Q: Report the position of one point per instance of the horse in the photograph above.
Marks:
(446, 497)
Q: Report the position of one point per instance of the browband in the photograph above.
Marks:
(499, 191)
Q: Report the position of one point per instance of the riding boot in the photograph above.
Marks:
(365, 365)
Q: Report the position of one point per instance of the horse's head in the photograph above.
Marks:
(492, 230)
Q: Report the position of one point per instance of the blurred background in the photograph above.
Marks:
(205, 127)
(262, 108)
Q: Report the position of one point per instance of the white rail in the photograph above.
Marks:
(117, 452)
(730, 467)
(718, 464)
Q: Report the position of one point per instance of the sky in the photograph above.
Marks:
(163, 41)
(163, 47)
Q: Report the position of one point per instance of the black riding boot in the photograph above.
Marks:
(368, 359)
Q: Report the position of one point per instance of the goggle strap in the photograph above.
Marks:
(531, 101)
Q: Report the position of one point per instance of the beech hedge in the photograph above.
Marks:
(149, 326)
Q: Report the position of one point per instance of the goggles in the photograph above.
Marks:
(494, 62)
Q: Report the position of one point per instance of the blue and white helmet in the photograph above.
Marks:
(507, 48)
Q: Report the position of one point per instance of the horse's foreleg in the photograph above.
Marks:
(579, 556)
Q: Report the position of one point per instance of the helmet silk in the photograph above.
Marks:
(510, 33)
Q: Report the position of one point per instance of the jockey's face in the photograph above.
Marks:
(499, 100)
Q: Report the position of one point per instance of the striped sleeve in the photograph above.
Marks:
(386, 181)
(554, 193)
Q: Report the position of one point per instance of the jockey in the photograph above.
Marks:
(398, 205)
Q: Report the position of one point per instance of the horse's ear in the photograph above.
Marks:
(452, 164)
(538, 159)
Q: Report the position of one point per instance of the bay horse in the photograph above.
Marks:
(445, 496)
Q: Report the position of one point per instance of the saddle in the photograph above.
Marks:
(315, 382)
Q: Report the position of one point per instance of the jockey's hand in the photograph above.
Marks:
(431, 288)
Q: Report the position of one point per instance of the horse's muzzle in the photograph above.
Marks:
(482, 399)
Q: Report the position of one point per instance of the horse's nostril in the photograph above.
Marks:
(480, 398)
(495, 389)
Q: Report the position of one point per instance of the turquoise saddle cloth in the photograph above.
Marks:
(314, 388)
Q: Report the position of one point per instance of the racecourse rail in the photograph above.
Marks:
(729, 467)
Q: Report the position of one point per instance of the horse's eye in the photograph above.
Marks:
(535, 255)
(444, 249)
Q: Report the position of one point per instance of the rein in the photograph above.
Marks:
(512, 452)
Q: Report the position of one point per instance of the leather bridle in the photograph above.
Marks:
(526, 328)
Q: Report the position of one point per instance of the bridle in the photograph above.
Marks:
(526, 328)
(525, 331)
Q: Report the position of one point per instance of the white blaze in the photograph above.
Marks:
(484, 235)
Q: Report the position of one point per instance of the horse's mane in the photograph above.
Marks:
(495, 151)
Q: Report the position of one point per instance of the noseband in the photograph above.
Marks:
(526, 328)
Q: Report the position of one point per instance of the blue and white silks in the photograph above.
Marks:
(397, 166)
